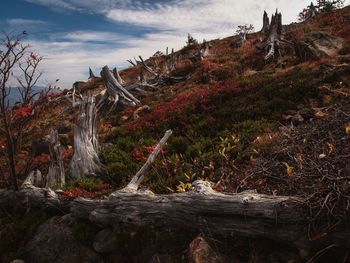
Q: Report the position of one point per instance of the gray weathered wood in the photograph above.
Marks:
(118, 77)
(275, 42)
(138, 178)
(56, 175)
(115, 92)
(85, 161)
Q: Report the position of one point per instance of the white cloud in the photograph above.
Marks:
(62, 4)
(92, 36)
(68, 56)
(24, 22)
(69, 61)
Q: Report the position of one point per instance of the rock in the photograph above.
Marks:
(322, 156)
(201, 252)
(54, 242)
(64, 127)
(317, 45)
(105, 241)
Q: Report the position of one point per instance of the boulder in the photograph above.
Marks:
(54, 242)
(317, 45)
(105, 241)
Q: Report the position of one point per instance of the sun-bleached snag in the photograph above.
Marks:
(56, 175)
(85, 161)
(115, 92)
(275, 42)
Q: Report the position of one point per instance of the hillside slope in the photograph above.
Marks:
(281, 126)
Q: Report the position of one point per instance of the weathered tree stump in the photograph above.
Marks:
(56, 175)
(85, 161)
(275, 41)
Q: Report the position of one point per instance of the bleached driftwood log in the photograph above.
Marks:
(56, 175)
(85, 161)
(275, 41)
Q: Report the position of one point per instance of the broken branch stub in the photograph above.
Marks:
(138, 178)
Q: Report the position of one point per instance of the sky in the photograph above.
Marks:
(73, 35)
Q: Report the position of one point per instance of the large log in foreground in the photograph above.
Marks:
(202, 209)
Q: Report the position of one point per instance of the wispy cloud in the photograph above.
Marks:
(93, 36)
(62, 4)
(69, 60)
(69, 54)
(25, 22)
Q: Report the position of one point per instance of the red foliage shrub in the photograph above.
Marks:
(209, 65)
(165, 111)
(24, 112)
(78, 192)
(142, 153)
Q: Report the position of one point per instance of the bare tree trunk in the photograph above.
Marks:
(11, 162)
(56, 175)
(85, 161)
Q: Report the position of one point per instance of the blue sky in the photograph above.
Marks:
(74, 35)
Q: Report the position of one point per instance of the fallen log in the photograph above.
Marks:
(247, 214)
